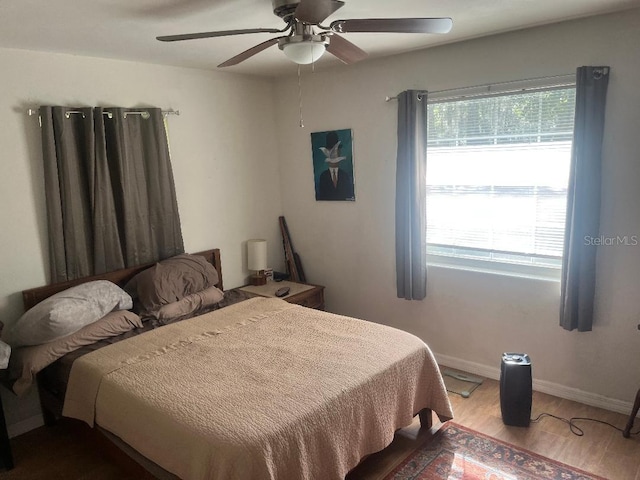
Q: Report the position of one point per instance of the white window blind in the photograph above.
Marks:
(497, 175)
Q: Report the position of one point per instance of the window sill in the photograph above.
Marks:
(495, 268)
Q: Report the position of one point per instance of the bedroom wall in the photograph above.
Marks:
(470, 318)
(224, 156)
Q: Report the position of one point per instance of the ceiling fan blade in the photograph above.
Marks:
(393, 25)
(345, 50)
(250, 52)
(222, 33)
(315, 11)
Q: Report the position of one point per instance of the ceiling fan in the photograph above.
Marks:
(306, 39)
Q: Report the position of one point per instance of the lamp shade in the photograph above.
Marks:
(304, 53)
(257, 254)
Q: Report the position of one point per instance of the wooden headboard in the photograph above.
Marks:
(120, 277)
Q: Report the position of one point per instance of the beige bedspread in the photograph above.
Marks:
(259, 390)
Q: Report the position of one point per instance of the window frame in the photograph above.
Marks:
(496, 90)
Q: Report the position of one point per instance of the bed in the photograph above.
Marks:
(253, 388)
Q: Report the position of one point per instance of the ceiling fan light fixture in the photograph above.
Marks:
(304, 53)
(304, 50)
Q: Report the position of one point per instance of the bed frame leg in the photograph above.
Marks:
(49, 418)
(426, 418)
(50, 411)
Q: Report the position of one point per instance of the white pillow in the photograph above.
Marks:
(66, 312)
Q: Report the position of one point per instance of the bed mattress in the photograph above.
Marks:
(262, 389)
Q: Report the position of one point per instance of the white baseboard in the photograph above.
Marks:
(562, 391)
(24, 426)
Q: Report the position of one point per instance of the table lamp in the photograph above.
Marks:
(257, 260)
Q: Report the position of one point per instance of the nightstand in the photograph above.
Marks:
(304, 294)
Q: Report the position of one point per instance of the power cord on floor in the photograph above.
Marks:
(573, 427)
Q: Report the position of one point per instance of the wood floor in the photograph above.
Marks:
(66, 452)
(602, 450)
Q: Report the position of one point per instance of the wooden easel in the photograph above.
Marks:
(627, 430)
(292, 259)
(626, 433)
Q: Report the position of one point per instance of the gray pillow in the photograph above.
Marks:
(189, 304)
(26, 362)
(66, 312)
(171, 280)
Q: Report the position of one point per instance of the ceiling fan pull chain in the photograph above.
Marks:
(300, 97)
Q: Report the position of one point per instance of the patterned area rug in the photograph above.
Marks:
(458, 453)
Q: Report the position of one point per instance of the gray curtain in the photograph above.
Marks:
(411, 254)
(583, 201)
(109, 190)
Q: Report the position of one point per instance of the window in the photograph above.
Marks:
(497, 176)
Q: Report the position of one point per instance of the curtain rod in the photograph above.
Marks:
(567, 76)
(421, 93)
(144, 114)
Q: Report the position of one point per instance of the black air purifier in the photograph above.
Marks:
(515, 389)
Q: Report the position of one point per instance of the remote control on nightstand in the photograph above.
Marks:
(282, 292)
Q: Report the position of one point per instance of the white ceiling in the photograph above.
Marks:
(126, 29)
